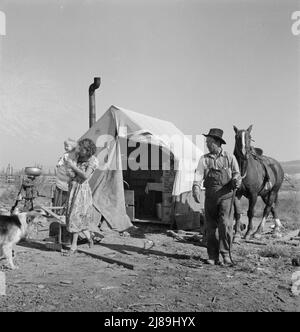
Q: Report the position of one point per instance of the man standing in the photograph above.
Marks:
(221, 174)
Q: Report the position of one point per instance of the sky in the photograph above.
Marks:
(198, 63)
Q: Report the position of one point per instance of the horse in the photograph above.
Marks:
(261, 176)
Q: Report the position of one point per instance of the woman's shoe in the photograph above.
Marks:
(97, 239)
(70, 252)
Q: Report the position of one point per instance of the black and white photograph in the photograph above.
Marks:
(149, 158)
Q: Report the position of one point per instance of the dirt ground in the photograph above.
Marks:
(170, 276)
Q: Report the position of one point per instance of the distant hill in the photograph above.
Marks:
(291, 167)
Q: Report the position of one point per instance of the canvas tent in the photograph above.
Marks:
(111, 134)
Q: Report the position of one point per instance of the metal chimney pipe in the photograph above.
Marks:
(92, 102)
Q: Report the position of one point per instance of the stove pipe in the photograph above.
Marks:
(92, 102)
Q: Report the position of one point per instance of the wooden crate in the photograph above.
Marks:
(166, 212)
(188, 221)
(130, 212)
(129, 197)
(167, 199)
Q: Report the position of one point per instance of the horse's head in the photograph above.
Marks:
(243, 141)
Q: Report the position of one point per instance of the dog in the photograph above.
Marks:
(13, 228)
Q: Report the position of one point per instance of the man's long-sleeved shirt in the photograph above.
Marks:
(223, 160)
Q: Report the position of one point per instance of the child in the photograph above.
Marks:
(64, 174)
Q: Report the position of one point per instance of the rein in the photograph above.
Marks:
(243, 161)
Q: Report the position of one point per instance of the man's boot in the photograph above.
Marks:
(210, 261)
(226, 259)
(213, 261)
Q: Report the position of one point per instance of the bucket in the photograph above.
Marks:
(158, 211)
(166, 213)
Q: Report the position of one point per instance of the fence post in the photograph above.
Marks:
(2, 284)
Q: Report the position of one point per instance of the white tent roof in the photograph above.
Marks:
(117, 123)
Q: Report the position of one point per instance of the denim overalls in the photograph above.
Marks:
(219, 225)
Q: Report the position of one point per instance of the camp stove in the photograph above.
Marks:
(28, 191)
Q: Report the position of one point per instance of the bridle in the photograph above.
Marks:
(242, 157)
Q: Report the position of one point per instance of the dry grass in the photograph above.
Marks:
(246, 267)
(288, 208)
(10, 193)
(275, 251)
(241, 251)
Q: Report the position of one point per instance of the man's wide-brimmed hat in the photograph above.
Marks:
(216, 133)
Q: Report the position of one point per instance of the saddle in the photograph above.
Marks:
(257, 153)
